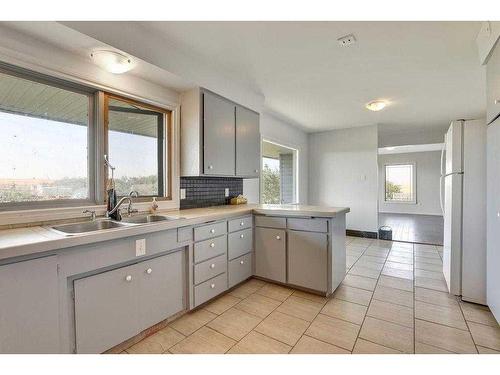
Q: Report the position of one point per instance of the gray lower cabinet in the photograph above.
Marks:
(161, 288)
(114, 306)
(239, 269)
(270, 254)
(308, 259)
(29, 307)
(247, 143)
(218, 136)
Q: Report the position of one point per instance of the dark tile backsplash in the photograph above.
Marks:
(209, 191)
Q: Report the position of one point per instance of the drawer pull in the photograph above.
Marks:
(278, 238)
(212, 266)
(242, 262)
(212, 286)
(149, 271)
(242, 235)
(128, 278)
(497, 101)
(212, 231)
(210, 167)
(242, 223)
(212, 245)
(256, 170)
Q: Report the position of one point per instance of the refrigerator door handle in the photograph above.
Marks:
(441, 193)
(442, 157)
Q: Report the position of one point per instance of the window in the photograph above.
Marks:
(400, 183)
(137, 147)
(44, 148)
(279, 171)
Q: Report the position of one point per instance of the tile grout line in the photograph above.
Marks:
(468, 328)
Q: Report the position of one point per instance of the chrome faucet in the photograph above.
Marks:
(117, 208)
(134, 194)
(91, 212)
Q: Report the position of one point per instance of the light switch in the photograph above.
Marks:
(226, 192)
(140, 247)
(183, 193)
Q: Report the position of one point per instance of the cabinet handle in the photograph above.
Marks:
(242, 262)
(278, 237)
(128, 278)
(212, 245)
(497, 101)
(242, 235)
(242, 223)
(212, 286)
(210, 167)
(149, 271)
(256, 171)
(212, 231)
(212, 266)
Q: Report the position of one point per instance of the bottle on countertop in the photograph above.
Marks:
(154, 206)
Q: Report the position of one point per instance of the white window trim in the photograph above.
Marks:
(41, 215)
(414, 183)
(295, 166)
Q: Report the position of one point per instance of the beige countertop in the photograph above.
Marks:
(32, 240)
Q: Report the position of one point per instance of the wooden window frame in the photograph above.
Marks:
(166, 157)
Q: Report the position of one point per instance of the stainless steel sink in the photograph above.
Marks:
(145, 219)
(88, 226)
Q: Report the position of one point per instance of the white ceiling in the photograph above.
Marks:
(429, 71)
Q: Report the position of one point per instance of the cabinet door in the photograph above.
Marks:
(106, 309)
(247, 143)
(218, 136)
(493, 85)
(270, 254)
(161, 291)
(29, 307)
(308, 260)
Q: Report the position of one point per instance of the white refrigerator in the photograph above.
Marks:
(463, 201)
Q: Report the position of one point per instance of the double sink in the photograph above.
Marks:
(106, 224)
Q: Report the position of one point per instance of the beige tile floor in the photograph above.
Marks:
(393, 300)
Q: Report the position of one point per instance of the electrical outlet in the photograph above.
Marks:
(347, 40)
(140, 247)
(183, 193)
(226, 192)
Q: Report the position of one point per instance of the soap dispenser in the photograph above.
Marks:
(154, 206)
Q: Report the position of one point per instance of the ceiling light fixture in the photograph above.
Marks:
(376, 105)
(112, 61)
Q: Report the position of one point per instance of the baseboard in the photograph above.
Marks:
(409, 213)
(361, 233)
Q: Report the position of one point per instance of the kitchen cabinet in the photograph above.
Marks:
(114, 306)
(29, 307)
(247, 143)
(493, 85)
(307, 259)
(270, 254)
(218, 136)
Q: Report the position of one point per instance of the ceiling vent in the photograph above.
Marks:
(347, 40)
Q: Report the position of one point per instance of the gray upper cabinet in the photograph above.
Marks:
(270, 254)
(308, 260)
(218, 136)
(247, 143)
(493, 85)
(29, 307)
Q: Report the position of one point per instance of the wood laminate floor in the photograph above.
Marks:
(426, 229)
(393, 300)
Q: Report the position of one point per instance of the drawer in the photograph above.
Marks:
(210, 248)
(210, 268)
(185, 234)
(209, 289)
(240, 223)
(210, 231)
(270, 221)
(239, 243)
(240, 269)
(309, 225)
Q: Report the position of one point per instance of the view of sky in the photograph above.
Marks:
(44, 149)
(273, 164)
(400, 175)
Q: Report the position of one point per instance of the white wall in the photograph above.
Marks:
(427, 181)
(343, 172)
(282, 132)
(388, 137)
